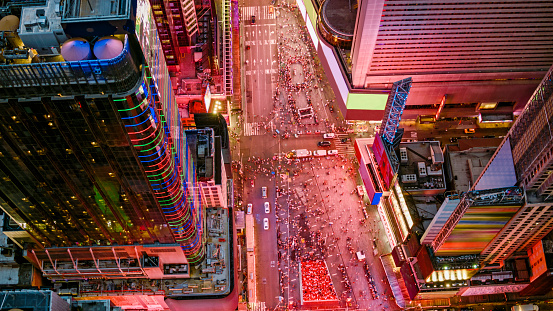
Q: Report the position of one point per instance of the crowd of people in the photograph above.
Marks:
(297, 85)
(372, 284)
(315, 281)
(297, 79)
(312, 224)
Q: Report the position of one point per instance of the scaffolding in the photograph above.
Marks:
(394, 109)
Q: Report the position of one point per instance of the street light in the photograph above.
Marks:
(217, 107)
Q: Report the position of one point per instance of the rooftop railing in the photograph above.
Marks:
(115, 76)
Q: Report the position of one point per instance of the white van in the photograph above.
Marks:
(264, 192)
(249, 210)
(319, 153)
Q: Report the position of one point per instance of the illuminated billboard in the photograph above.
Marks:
(478, 226)
(382, 161)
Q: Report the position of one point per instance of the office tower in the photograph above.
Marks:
(521, 163)
(530, 142)
(484, 57)
(95, 167)
(92, 148)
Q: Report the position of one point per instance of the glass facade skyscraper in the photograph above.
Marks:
(91, 150)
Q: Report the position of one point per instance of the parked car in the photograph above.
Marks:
(267, 208)
(323, 143)
(266, 223)
(332, 152)
(329, 135)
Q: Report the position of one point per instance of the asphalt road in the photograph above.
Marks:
(260, 72)
(267, 275)
(260, 55)
(262, 115)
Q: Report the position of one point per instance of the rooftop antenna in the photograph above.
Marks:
(90, 6)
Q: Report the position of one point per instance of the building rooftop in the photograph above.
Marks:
(466, 160)
(95, 305)
(202, 148)
(340, 16)
(37, 300)
(420, 169)
(95, 9)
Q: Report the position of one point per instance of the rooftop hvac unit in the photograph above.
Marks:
(422, 169)
(403, 155)
(409, 178)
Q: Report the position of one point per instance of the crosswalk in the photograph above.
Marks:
(259, 42)
(266, 71)
(257, 306)
(343, 148)
(260, 12)
(253, 129)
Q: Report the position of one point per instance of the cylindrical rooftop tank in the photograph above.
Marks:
(76, 49)
(108, 47)
(11, 23)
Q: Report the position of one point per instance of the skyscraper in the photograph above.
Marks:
(92, 148)
(95, 167)
(523, 160)
(470, 56)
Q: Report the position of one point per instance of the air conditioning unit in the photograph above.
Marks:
(409, 178)
(403, 155)
(422, 169)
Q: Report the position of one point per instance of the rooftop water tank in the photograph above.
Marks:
(76, 49)
(9, 23)
(108, 47)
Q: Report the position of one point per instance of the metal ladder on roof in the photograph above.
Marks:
(227, 47)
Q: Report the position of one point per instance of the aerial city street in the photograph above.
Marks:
(368, 155)
(295, 159)
(316, 212)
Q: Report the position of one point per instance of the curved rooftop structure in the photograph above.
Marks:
(337, 21)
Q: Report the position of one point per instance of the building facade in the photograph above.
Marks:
(466, 55)
(96, 169)
(522, 160)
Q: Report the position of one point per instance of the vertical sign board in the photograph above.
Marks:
(442, 104)
(538, 262)
(370, 177)
(382, 161)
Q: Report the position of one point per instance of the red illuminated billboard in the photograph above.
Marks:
(382, 161)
